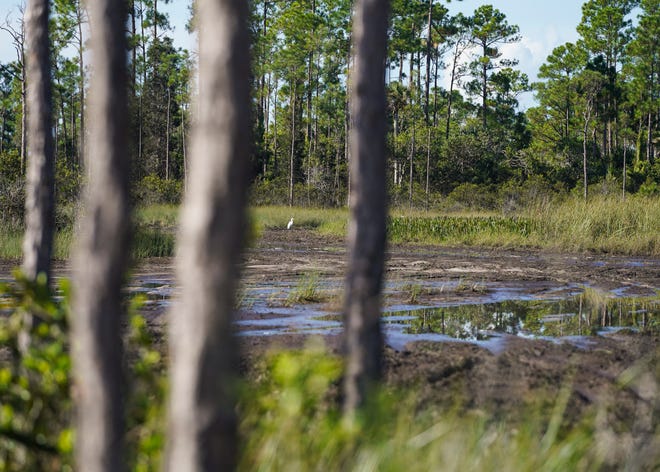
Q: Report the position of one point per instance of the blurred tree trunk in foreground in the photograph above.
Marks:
(40, 191)
(102, 254)
(202, 419)
(368, 202)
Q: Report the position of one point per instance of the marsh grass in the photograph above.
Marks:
(600, 224)
(307, 290)
(323, 220)
(604, 224)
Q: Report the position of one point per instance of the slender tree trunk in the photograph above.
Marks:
(2, 131)
(412, 161)
(81, 60)
(623, 176)
(293, 142)
(450, 94)
(167, 135)
(427, 85)
(155, 38)
(101, 257)
(275, 160)
(23, 116)
(202, 418)
(649, 139)
(484, 89)
(367, 238)
(40, 191)
(184, 149)
(587, 117)
(428, 164)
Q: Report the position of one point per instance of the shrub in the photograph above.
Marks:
(152, 190)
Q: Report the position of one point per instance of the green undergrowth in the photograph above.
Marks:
(290, 421)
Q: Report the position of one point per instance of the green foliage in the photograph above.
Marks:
(454, 229)
(291, 421)
(35, 385)
(36, 402)
(154, 190)
(12, 190)
(305, 291)
(602, 224)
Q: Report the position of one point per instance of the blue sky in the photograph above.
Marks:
(543, 26)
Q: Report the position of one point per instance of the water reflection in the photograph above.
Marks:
(574, 317)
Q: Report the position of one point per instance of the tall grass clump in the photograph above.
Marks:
(157, 215)
(487, 230)
(331, 221)
(601, 224)
(11, 241)
(306, 291)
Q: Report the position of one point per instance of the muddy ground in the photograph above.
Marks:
(612, 379)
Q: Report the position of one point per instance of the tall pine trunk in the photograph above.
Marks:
(202, 418)
(40, 192)
(101, 258)
(367, 238)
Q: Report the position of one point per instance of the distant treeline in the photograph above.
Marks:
(597, 118)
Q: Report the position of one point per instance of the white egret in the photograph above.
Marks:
(290, 223)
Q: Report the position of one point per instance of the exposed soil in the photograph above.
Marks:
(615, 377)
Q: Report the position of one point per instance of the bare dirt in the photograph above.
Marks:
(613, 378)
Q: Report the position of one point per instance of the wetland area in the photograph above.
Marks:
(479, 329)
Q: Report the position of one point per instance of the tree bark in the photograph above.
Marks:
(40, 191)
(367, 237)
(101, 258)
(202, 421)
(293, 142)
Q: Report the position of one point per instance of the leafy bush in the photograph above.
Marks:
(36, 407)
(35, 415)
(473, 197)
(152, 189)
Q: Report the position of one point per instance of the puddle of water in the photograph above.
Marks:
(551, 318)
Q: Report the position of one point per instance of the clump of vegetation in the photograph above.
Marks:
(306, 291)
(36, 404)
(35, 384)
(601, 224)
(458, 229)
(413, 291)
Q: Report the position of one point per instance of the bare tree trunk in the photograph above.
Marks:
(23, 116)
(623, 174)
(81, 152)
(18, 41)
(40, 192)
(101, 258)
(202, 421)
(412, 159)
(587, 117)
(428, 165)
(167, 135)
(293, 142)
(367, 238)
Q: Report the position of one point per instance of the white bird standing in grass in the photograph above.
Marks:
(290, 223)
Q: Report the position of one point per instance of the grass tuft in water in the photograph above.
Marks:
(306, 291)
